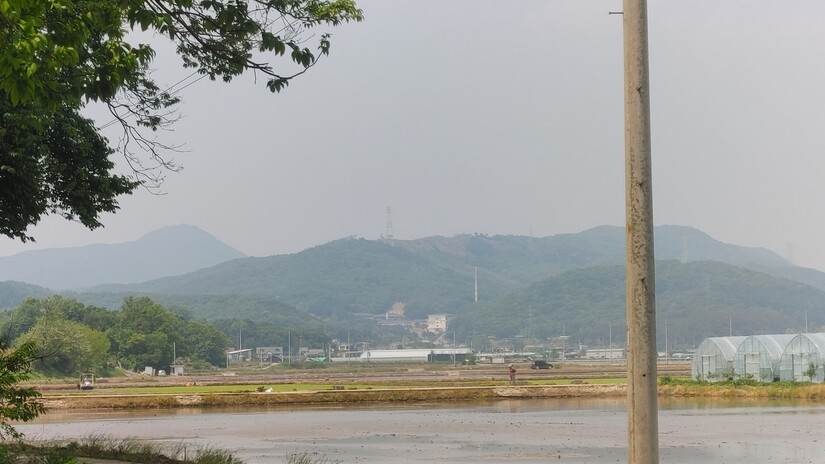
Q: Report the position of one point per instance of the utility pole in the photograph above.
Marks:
(454, 348)
(610, 343)
(642, 407)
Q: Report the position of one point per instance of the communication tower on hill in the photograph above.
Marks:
(388, 236)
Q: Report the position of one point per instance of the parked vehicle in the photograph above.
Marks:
(540, 364)
(87, 381)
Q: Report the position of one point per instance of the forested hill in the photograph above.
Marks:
(571, 283)
(342, 277)
(435, 274)
(12, 293)
(165, 252)
(696, 300)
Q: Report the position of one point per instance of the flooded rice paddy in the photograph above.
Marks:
(512, 431)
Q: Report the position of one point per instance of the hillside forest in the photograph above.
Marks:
(499, 293)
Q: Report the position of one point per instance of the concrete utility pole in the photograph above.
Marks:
(642, 407)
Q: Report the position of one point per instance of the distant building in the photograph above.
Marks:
(437, 323)
(239, 355)
(415, 355)
(397, 311)
(605, 353)
(271, 354)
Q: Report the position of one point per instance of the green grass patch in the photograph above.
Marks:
(101, 389)
(206, 389)
(610, 381)
(741, 388)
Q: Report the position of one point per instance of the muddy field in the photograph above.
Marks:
(505, 431)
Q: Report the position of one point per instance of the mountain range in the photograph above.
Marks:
(437, 274)
(494, 285)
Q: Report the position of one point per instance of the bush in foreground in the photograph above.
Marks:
(130, 450)
(126, 450)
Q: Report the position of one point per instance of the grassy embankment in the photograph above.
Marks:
(669, 387)
(383, 383)
(317, 393)
(241, 395)
(332, 384)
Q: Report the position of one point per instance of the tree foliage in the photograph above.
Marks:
(57, 55)
(72, 338)
(23, 318)
(66, 347)
(17, 403)
(146, 334)
(67, 52)
(53, 162)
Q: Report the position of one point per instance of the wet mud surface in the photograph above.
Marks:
(506, 431)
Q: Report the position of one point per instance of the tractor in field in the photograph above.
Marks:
(87, 381)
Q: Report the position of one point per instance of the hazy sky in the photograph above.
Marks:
(503, 118)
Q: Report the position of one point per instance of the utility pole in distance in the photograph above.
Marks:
(642, 407)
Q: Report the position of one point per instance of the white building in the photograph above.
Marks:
(605, 353)
(437, 323)
(415, 355)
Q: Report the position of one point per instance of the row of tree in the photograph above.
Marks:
(71, 337)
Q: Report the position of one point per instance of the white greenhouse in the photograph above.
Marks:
(802, 360)
(713, 360)
(758, 357)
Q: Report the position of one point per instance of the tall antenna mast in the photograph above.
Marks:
(389, 235)
(476, 284)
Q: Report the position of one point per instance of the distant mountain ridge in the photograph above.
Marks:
(12, 293)
(527, 286)
(436, 274)
(165, 252)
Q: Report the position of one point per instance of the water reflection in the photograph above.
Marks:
(527, 431)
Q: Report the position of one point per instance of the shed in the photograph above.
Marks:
(713, 360)
(758, 356)
(802, 360)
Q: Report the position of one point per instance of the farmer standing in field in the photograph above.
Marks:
(512, 371)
